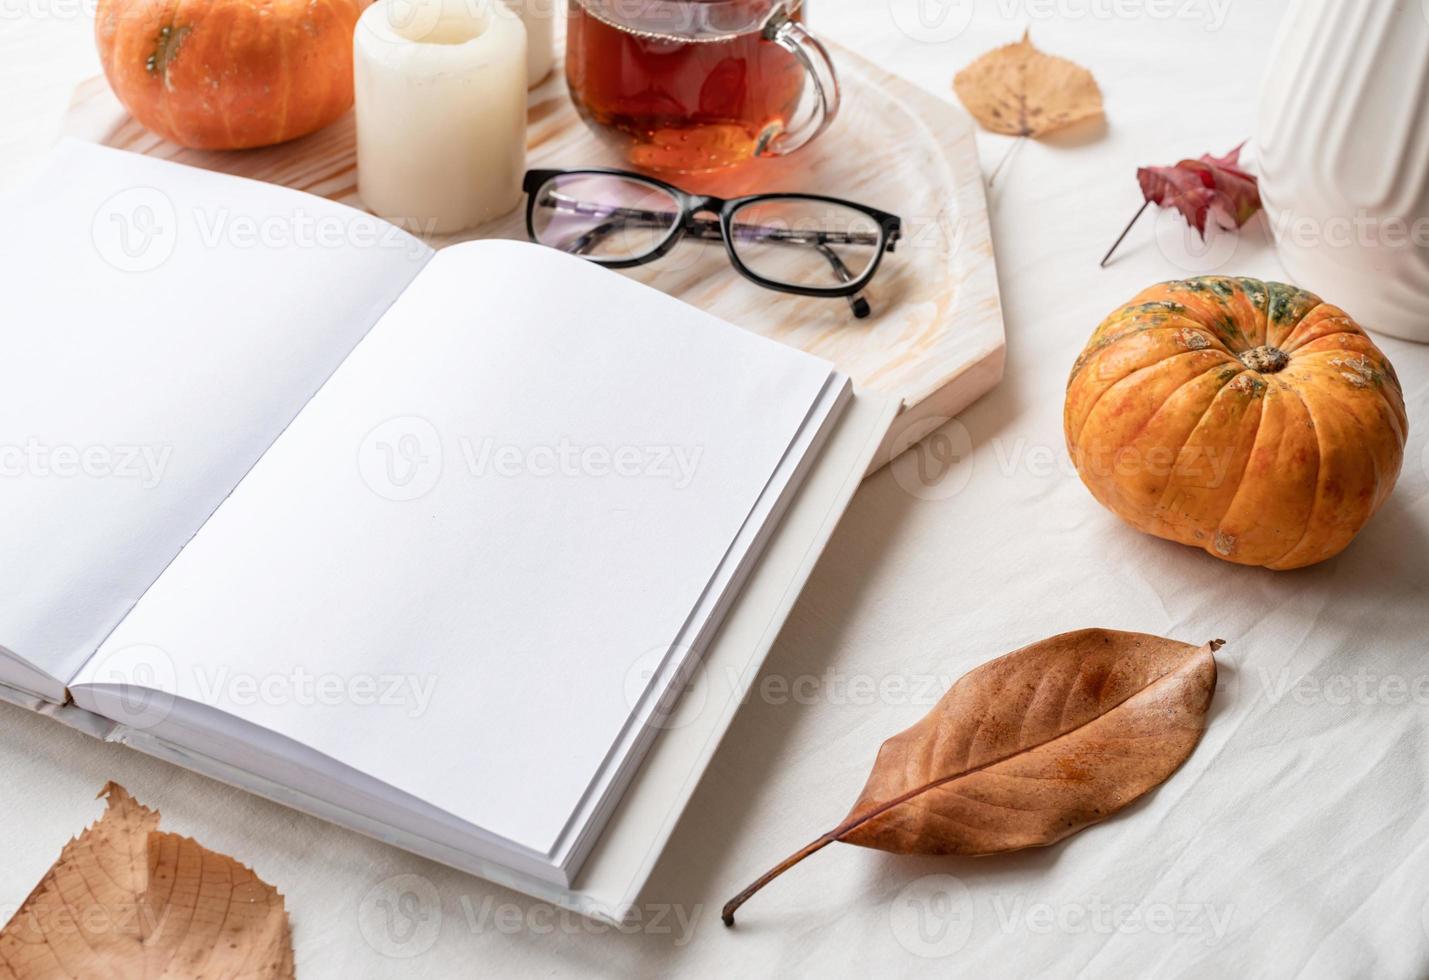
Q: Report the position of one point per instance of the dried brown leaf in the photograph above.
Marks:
(1021, 91)
(1031, 747)
(125, 900)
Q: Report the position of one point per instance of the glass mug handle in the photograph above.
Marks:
(811, 53)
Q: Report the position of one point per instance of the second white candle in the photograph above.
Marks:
(539, 18)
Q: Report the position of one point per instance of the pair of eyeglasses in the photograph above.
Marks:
(796, 243)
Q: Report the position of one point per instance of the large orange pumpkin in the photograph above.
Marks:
(1247, 418)
(229, 74)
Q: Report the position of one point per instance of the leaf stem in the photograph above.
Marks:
(1144, 206)
(851, 823)
(734, 903)
(1005, 157)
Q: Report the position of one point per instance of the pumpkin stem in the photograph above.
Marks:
(166, 48)
(1265, 359)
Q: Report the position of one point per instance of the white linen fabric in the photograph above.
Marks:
(1295, 841)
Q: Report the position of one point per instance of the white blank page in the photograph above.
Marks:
(487, 499)
(159, 326)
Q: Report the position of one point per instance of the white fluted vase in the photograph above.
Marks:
(1342, 143)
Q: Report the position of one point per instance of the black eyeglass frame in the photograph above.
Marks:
(890, 227)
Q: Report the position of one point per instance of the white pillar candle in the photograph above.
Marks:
(440, 89)
(539, 16)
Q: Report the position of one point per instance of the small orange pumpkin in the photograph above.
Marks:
(1247, 418)
(229, 74)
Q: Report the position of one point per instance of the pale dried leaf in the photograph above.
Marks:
(125, 900)
(1021, 91)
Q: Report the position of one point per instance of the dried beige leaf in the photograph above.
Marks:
(1021, 91)
(1030, 748)
(125, 900)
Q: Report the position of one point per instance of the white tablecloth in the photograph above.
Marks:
(1293, 843)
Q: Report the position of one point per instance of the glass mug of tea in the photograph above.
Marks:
(687, 86)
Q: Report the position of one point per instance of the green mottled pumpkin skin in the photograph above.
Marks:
(1247, 418)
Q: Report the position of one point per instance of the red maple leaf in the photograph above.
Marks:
(1209, 187)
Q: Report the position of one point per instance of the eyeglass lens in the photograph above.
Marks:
(603, 216)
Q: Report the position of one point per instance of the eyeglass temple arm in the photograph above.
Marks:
(857, 302)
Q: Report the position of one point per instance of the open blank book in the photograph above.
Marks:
(428, 544)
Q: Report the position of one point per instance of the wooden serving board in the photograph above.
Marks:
(935, 339)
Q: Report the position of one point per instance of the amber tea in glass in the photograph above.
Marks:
(686, 86)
